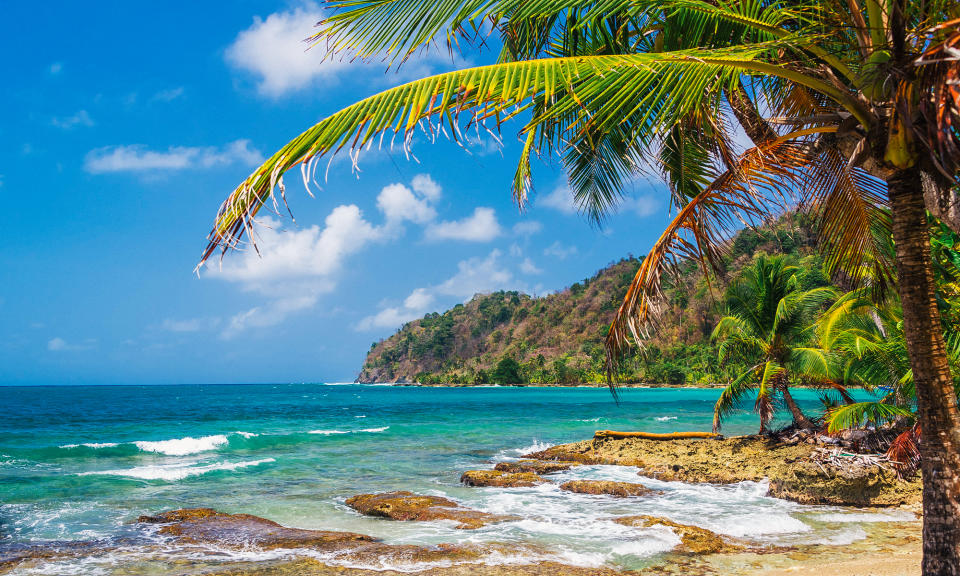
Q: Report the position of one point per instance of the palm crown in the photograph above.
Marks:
(768, 319)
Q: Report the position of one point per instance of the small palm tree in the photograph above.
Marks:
(769, 315)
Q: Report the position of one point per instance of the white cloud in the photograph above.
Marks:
(528, 267)
(419, 299)
(168, 95)
(309, 253)
(642, 206)
(270, 314)
(55, 68)
(190, 324)
(474, 276)
(560, 199)
(58, 344)
(140, 159)
(558, 250)
(527, 228)
(424, 185)
(482, 226)
(274, 51)
(81, 118)
(398, 203)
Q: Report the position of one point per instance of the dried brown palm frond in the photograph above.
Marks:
(904, 451)
(854, 222)
(939, 71)
(757, 186)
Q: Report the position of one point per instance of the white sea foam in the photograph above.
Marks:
(183, 446)
(328, 432)
(246, 434)
(171, 472)
(92, 445)
(665, 418)
(381, 429)
(514, 453)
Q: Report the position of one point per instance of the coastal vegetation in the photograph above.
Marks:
(860, 120)
(513, 338)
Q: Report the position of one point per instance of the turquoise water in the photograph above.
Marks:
(79, 463)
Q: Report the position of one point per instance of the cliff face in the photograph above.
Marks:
(510, 337)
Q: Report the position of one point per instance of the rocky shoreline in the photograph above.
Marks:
(793, 471)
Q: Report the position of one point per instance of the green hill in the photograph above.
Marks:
(511, 337)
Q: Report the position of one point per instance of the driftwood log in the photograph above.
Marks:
(653, 435)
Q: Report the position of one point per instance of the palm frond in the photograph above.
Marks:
(864, 413)
(939, 72)
(752, 191)
(589, 91)
(733, 394)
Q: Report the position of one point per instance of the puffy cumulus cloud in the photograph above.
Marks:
(481, 226)
(111, 159)
(307, 253)
(424, 185)
(294, 268)
(399, 203)
(273, 50)
(474, 276)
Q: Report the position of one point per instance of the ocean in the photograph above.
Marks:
(80, 463)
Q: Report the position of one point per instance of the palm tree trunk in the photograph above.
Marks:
(938, 413)
(799, 419)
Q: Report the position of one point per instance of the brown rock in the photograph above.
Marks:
(409, 506)
(619, 489)
(206, 525)
(694, 540)
(535, 466)
(500, 479)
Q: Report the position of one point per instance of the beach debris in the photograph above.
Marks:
(535, 466)
(405, 506)
(694, 540)
(608, 487)
(500, 479)
(839, 459)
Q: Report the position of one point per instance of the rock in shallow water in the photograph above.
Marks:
(207, 526)
(535, 466)
(608, 487)
(409, 506)
(694, 540)
(500, 479)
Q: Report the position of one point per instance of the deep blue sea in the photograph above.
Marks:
(79, 463)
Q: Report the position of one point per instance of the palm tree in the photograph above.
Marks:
(768, 320)
(862, 113)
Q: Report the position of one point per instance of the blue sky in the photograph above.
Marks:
(122, 128)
